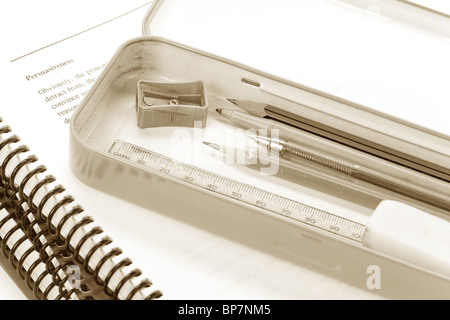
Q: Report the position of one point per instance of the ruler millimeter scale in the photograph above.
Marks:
(237, 191)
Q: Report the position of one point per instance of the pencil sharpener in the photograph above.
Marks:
(172, 104)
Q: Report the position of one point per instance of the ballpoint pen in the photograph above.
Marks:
(291, 147)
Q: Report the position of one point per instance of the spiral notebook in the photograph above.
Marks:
(49, 246)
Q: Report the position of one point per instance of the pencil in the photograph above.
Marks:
(349, 138)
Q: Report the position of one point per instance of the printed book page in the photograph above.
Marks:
(53, 56)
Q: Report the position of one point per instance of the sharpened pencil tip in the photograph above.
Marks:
(212, 145)
(219, 110)
(233, 101)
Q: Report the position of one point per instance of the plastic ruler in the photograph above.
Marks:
(243, 193)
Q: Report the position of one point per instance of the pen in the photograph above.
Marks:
(292, 147)
(342, 135)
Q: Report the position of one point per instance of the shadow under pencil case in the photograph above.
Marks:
(110, 114)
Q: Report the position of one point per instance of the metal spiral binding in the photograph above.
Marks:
(37, 246)
(25, 162)
(29, 217)
(14, 202)
(11, 155)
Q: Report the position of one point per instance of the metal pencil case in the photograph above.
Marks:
(158, 63)
(111, 111)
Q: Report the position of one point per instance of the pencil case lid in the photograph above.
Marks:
(374, 73)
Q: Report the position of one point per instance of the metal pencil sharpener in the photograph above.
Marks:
(172, 104)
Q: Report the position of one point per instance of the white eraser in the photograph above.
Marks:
(411, 235)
